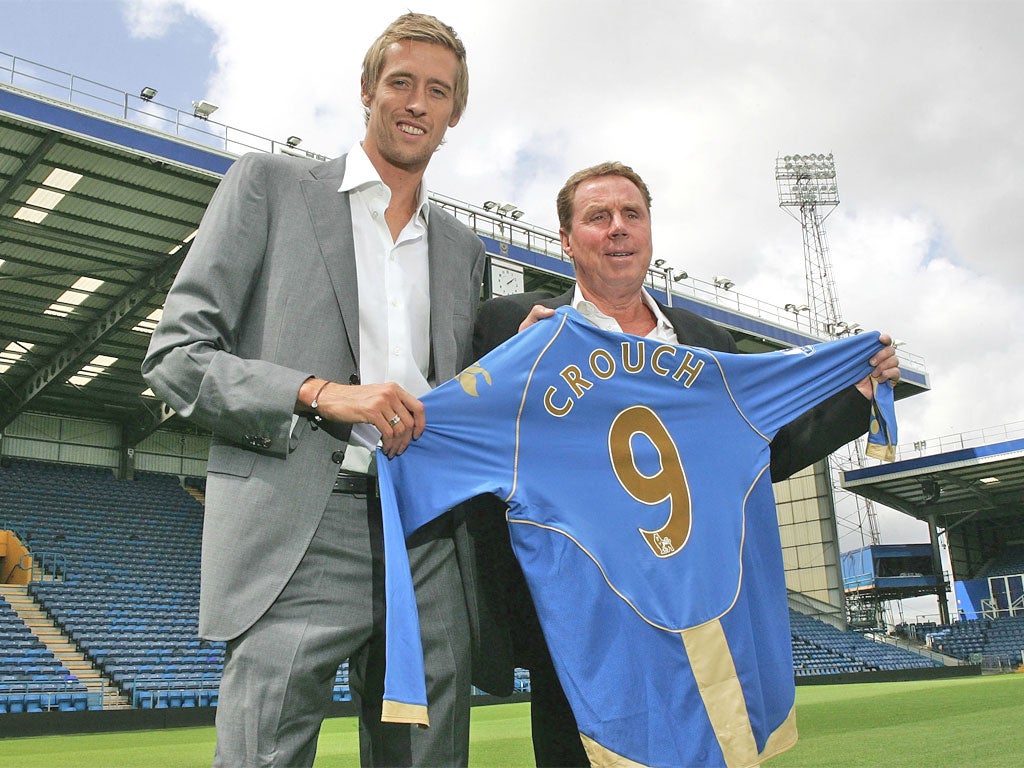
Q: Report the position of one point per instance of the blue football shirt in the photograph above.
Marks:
(642, 514)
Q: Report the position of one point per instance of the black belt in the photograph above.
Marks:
(355, 484)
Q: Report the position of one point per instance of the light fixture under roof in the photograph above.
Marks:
(91, 370)
(988, 480)
(293, 141)
(74, 296)
(45, 198)
(148, 324)
(147, 93)
(12, 353)
(188, 239)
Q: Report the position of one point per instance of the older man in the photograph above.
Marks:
(605, 227)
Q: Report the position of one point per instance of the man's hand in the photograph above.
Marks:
(887, 367)
(394, 412)
(536, 314)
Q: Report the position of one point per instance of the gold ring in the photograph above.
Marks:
(394, 420)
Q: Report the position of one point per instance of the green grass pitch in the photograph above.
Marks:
(961, 722)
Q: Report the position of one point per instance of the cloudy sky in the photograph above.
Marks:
(920, 101)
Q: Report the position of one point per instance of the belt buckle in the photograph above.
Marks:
(353, 484)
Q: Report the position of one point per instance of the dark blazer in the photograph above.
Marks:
(509, 628)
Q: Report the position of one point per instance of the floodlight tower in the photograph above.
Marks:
(808, 183)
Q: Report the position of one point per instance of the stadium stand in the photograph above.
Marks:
(1009, 562)
(128, 595)
(31, 677)
(125, 591)
(993, 642)
(820, 649)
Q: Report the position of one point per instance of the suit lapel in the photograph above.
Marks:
(683, 327)
(443, 267)
(331, 214)
(682, 332)
(560, 301)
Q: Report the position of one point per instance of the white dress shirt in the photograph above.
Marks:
(394, 292)
(662, 331)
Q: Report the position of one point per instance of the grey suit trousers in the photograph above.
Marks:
(278, 675)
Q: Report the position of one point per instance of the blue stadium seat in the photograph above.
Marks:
(34, 702)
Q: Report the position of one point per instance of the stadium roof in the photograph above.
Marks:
(100, 195)
(95, 218)
(950, 488)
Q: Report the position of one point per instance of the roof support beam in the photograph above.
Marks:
(27, 167)
(147, 423)
(153, 283)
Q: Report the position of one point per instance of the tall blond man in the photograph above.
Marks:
(317, 303)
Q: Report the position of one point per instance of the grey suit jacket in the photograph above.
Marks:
(266, 298)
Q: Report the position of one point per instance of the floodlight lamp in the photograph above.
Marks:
(203, 109)
(659, 263)
(490, 205)
(293, 141)
(517, 214)
(147, 93)
(843, 328)
(796, 309)
(681, 276)
(723, 282)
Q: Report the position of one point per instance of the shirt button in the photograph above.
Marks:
(338, 456)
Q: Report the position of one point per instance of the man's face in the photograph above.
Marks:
(610, 239)
(410, 105)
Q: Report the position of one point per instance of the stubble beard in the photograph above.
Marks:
(410, 160)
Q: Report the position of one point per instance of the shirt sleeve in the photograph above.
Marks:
(882, 435)
(773, 389)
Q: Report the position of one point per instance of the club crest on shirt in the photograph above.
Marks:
(468, 378)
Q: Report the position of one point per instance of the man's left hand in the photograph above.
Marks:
(886, 367)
